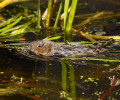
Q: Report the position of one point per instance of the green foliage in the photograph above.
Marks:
(10, 20)
(12, 29)
(66, 7)
(48, 13)
(11, 25)
(38, 14)
(71, 15)
(58, 15)
(52, 38)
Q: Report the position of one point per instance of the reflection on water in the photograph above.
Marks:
(24, 79)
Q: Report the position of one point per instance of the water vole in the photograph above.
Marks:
(49, 48)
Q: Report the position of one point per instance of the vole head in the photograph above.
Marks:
(41, 47)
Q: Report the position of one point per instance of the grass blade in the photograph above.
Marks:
(38, 14)
(71, 15)
(11, 25)
(48, 13)
(66, 6)
(10, 20)
(58, 15)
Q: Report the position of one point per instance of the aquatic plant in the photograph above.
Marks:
(71, 15)
(10, 27)
(66, 6)
(58, 15)
(69, 12)
(48, 13)
(52, 38)
(38, 15)
(49, 10)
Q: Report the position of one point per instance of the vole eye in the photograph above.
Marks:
(39, 46)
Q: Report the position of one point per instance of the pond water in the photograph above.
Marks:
(67, 79)
(91, 78)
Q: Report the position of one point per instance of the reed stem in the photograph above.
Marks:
(38, 14)
(71, 15)
(58, 15)
(48, 13)
(66, 6)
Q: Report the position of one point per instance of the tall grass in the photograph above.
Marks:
(59, 12)
(66, 7)
(38, 14)
(12, 29)
(12, 24)
(71, 15)
(68, 17)
(48, 13)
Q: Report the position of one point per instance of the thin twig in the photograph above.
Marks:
(84, 35)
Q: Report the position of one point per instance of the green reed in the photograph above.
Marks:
(59, 12)
(66, 7)
(10, 20)
(13, 31)
(11, 25)
(38, 14)
(48, 13)
(68, 17)
(71, 15)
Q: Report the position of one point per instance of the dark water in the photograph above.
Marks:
(28, 79)
(23, 78)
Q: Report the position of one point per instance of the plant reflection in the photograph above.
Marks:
(72, 93)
